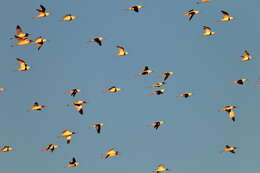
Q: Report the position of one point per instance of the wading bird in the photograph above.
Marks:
(240, 81)
(158, 92)
(159, 84)
(23, 65)
(68, 17)
(20, 33)
(41, 12)
(72, 163)
(229, 110)
(6, 148)
(145, 71)
(186, 95)
(230, 149)
(166, 75)
(39, 41)
(37, 107)
(113, 89)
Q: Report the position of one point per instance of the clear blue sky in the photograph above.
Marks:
(158, 36)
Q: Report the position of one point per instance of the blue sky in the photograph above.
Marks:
(158, 36)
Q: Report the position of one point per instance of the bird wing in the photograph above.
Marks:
(19, 29)
(207, 29)
(121, 49)
(146, 68)
(231, 115)
(21, 62)
(226, 15)
(36, 104)
(43, 9)
(246, 54)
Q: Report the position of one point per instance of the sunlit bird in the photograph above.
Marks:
(20, 33)
(41, 12)
(111, 153)
(157, 124)
(68, 134)
(145, 71)
(191, 13)
(40, 41)
(6, 148)
(226, 17)
(229, 110)
(240, 81)
(50, 148)
(113, 89)
(22, 42)
(97, 127)
(230, 149)
(159, 84)
(203, 1)
(166, 75)
(246, 56)
(78, 105)
(185, 95)
(37, 107)
(72, 163)
(158, 92)
(73, 92)
(135, 8)
(97, 40)
(207, 31)
(121, 51)
(160, 168)
(68, 17)
(23, 65)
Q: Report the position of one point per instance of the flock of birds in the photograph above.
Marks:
(23, 38)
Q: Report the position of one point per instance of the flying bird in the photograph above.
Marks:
(203, 1)
(39, 41)
(37, 107)
(97, 127)
(230, 149)
(68, 17)
(68, 134)
(50, 148)
(20, 33)
(158, 92)
(145, 71)
(229, 110)
(166, 75)
(246, 56)
(73, 92)
(111, 153)
(22, 42)
(78, 106)
(135, 8)
(113, 89)
(72, 163)
(186, 95)
(226, 17)
(207, 31)
(41, 12)
(159, 84)
(121, 51)
(97, 40)
(23, 65)
(6, 148)
(240, 81)
(160, 168)
(157, 124)
(191, 13)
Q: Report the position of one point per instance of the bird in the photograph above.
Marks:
(207, 31)
(240, 81)
(2, 89)
(78, 105)
(229, 110)
(6, 148)
(41, 12)
(39, 41)
(68, 134)
(191, 13)
(159, 84)
(246, 56)
(50, 147)
(20, 33)
(166, 75)
(121, 51)
(73, 92)
(37, 107)
(226, 17)
(72, 163)
(230, 149)
(113, 89)
(22, 42)
(23, 65)
(97, 40)
(111, 153)
(186, 95)
(157, 124)
(97, 127)
(158, 92)
(203, 1)
(145, 71)
(68, 17)
(135, 8)
(160, 168)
